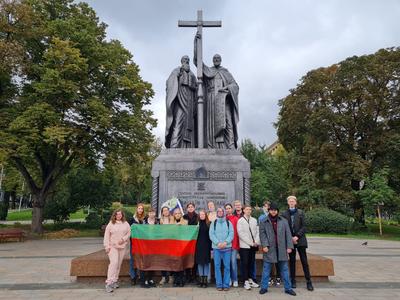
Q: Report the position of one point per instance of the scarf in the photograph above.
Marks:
(274, 222)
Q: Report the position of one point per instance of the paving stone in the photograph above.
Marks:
(40, 270)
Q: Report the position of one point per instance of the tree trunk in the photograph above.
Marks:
(13, 196)
(359, 213)
(4, 205)
(379, 220)
(37, 214)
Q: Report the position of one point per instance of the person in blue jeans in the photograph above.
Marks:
(235, 244)
(276, 242)
(221, 236)
(274, 280)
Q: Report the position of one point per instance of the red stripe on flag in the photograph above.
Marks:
(163, 247)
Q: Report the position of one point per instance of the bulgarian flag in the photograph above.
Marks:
(164, 247)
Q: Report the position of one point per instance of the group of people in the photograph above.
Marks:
(225, 232)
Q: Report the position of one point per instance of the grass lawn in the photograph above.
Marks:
(23, 215)
(26, 214)
(390, 232)
(77, 215)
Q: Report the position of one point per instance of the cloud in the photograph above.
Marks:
(267, 45)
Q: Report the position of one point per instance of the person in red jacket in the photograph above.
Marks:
(235, 244)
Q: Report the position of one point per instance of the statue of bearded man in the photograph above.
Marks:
(181, 99)
(222, 105)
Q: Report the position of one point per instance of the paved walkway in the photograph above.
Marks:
(40, 270)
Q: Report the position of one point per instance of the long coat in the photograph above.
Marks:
(298, 228)
(267, 238)
(203, 245)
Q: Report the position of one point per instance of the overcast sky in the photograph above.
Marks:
(267, 45)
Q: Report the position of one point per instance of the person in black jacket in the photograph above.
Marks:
(137, 218)
(203, 249)
(297, 224)
(147, 276)
(192, 218)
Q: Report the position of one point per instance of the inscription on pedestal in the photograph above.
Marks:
(199, 176)
(200, 173)
(187, 187)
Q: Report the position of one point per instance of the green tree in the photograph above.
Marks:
(67, 94)
(341, 124)
(377, 194)
(133, 173)
(12, 187)
(308, 193)
(81, 187)
(269, 177)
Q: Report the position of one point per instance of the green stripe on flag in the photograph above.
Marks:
(161, 232)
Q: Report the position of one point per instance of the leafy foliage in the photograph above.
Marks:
(80, 187)
(269, 177)
(133, 174)
(323, 220)
(340, 124)
(378, 192)
(66, 93)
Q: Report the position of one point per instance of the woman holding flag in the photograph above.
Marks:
(137, 218)
(192, 218)
(179, 279)
(165, 219)
(146, 277)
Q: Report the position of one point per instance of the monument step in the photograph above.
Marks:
(93, 267)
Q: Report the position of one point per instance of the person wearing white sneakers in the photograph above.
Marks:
(235, 245)
(249, 241)
(115, 240)
(277, 243)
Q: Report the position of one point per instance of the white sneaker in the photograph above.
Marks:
(115, 285)
(253, 284)
(162, 281)
(235, 284)
(109, 288)
(247, 285)
(278, 282)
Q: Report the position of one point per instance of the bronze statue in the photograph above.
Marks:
(181, 99)
(221, 98)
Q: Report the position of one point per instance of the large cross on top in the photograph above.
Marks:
(200, 102)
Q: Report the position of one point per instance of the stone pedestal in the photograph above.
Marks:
(93, 267)
(200, 175)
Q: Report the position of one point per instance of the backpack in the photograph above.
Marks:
(215, 224)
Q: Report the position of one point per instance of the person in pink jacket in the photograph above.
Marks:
(116, 238)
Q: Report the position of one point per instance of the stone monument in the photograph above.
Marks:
(201, 162)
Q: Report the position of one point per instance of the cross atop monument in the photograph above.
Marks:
(200, 103)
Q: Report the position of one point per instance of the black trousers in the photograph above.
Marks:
(191, 273)
(146, 275)
(304, 263)
(179, 276)
(248, 258)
